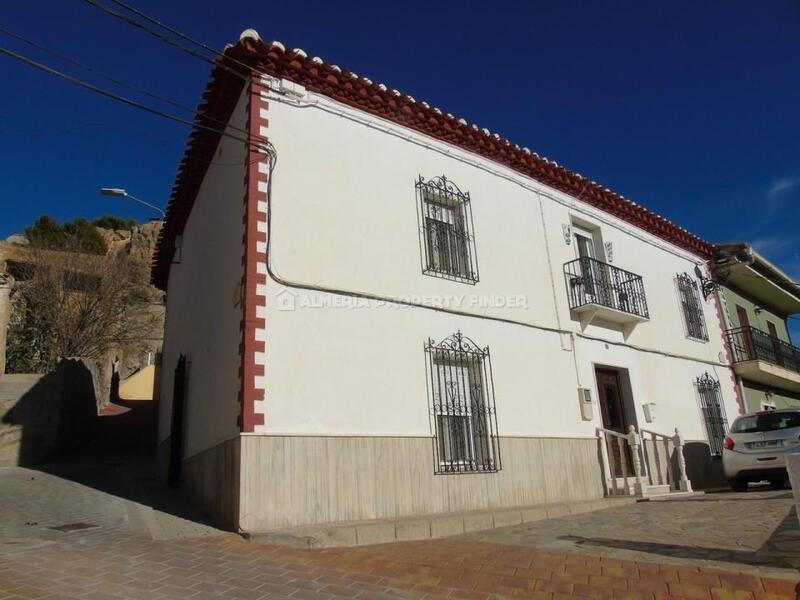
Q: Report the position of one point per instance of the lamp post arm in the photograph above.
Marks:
(140, 201)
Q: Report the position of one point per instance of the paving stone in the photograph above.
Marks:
(546, 559)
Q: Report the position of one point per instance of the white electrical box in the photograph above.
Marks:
(649, 409)
(585, 400)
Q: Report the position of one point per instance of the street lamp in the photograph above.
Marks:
(123, 193)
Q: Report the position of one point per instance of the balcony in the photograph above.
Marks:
(760, 357)
(597, 290)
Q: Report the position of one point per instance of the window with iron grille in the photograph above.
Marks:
(692, 308)
(463, 412)
(713, 411)
(446, 237)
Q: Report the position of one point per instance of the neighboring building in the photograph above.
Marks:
(759, 298)
(408, 315)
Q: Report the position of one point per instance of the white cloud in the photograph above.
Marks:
(775, 245)
(779, 186)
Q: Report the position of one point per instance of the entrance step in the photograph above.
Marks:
(671, 496)
(424, 527)
(656, 490)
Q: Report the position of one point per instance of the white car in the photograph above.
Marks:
(757, 445)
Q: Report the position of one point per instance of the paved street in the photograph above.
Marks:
(756, 531)
(138, 542)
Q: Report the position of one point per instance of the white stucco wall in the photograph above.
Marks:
(344, 216)
(203, 314)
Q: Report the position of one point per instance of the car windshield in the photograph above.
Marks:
(772, 421)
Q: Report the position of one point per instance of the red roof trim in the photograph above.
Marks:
(219, 99)
(345, 87)
(363, 94)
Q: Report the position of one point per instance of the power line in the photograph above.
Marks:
(92, 70)
(114, 80)
(168, 40)
(179, 33)
(262, 145)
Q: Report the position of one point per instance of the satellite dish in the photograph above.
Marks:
(698, 272)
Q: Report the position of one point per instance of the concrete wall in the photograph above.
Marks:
(755, 396)
(203, 304)
(211, 479)
(5, 315)
(44, 416)
(140, 385)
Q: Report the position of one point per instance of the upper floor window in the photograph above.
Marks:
(692, 308)
(446, 236)
(463, 409)
(713, 411)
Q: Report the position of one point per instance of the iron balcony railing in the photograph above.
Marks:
(590, 281)
(749, 343)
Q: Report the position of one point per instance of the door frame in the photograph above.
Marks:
(177, 421)
(622, 413)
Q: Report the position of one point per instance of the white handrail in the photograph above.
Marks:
(617, 440)
(684, 484)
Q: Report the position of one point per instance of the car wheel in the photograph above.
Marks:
(777, 484)
(738, 485)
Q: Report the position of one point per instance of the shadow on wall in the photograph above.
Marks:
(55, 416)
(703, 469)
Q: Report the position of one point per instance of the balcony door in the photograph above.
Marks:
(747, 333)
(584, 243)
(594, 274)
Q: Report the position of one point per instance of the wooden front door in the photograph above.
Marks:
(610, 397)
(613, 414)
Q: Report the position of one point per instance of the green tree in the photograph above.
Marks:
(114, 222)
(75, 236)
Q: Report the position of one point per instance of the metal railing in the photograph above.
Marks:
(590, 281)
(749, 343)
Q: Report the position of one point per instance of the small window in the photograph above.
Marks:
(462, 407)
(448, 244)
(713, 411)
(693, 318)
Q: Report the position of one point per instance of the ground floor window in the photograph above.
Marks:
(713, 411)
(463, 412)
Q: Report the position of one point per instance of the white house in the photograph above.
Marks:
(378, 310)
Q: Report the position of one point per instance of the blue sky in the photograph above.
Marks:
(689, 108)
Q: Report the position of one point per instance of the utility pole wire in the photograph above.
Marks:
(177, 32)
(69, 59)
(92, 70)
(168, 40)
(260, 144)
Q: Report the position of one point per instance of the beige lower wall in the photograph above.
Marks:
(292, 481)
(211, 480)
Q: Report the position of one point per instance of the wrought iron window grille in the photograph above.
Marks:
(462, 406)
(692, 307)
(713, 410)
(447, 241)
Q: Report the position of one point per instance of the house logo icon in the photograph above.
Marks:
(286, 299)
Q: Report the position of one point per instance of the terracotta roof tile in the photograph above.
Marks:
(330, 80)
